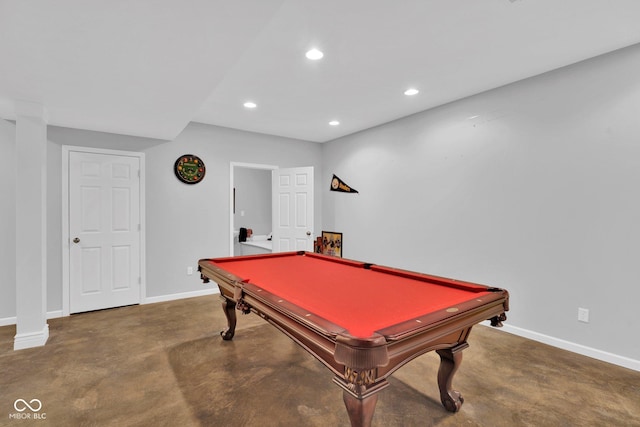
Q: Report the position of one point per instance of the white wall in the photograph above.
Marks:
(253, 198)
(7, 220)
(538, 195)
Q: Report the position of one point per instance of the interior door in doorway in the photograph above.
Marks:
(104, 231)
(292, 209)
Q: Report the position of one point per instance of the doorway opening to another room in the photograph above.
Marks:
(251, 207)
(279, 201)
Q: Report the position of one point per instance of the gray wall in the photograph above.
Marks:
(184, 222)
(7, 219)
(188, 222)
(253, 197)
(538, 195)
(58, 137)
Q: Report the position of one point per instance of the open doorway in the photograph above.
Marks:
(250, 206)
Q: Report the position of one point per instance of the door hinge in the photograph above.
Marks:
(139, 280)
(139, 227)
(139, 173)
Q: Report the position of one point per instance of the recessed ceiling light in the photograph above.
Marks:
(334, 123)
(411, 91)
(314, 54)
(250, 104)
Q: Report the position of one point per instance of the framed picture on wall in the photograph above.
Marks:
(332, 243)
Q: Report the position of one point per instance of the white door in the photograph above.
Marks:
(104, 231)
(292, 209)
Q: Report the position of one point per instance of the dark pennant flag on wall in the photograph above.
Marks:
(339, 185)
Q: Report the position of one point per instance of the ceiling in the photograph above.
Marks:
(149, 67)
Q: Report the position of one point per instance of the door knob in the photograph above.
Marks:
(308, 233)
(76, 240)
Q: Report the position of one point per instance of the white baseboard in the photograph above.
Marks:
(32, 339)
(13, 320)
(54, 314)
(182, 295)
(6, 321)
(604, 356)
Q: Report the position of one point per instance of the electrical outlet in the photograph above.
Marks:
(583, 315)
(189, 271)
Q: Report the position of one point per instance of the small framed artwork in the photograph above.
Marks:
(332, 243)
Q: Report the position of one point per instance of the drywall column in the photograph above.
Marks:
(30, 165)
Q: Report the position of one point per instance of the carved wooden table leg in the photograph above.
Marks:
(360, 410)
(229, 308)
(450, 360)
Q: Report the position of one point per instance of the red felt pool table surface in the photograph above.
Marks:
(358, 297)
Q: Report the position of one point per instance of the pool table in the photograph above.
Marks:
(362, 321)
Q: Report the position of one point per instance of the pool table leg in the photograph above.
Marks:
(360, 410)
(450, 360)
(229, 307)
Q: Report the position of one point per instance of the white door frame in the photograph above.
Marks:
(232, 168)
(66, 238)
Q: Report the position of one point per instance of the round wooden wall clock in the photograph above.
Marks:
(189, 169)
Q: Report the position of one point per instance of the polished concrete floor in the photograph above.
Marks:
(165, 365)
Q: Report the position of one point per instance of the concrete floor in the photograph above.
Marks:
(165, 365)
